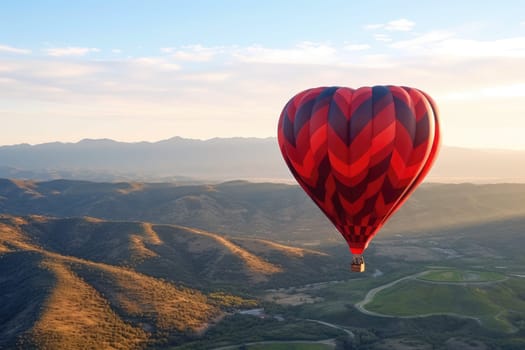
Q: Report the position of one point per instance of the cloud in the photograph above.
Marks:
(374, 26)
(382, 37)
(207, 77)
(193, 53)
(156, 63)
(447, 44)
(422, 40)
(303, 53)
(356, 47)
(15, 50)
(398, 25)
(63, 70)
(402, 25)
(511, 47)
(506, 91)
(70, 51)
(116, 51)
(509, 91)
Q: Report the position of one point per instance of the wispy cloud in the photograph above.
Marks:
(66, 70)
(423, 40)
(207, 77)
(193, 53)
(398, 25)
(374, 26)
(356, 47)
(447, 44)
(303, 53)
(70, 51)
(508, 91)
(156, 63)
(402, 25)
(38, 70)
(382, 37)
(511, 47)
(15, 50)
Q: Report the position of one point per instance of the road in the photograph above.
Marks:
(330, 342)
(350, 334)
(372, 293)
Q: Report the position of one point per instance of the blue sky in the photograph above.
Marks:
(148, 70)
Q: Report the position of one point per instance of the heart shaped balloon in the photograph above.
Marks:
(359, 153)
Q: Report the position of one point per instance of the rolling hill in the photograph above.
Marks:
(276, 212)
(75, 302)
(77, 282)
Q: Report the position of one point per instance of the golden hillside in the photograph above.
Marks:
(258, 246)
(257, 267)
(102, 306)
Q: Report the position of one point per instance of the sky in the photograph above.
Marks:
(150, 70)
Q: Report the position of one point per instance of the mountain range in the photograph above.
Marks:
(215, 160)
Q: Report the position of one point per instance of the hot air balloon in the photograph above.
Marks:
(359, 153)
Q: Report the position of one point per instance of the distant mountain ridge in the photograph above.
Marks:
(218, 159)
(175, 159)
(272, 211)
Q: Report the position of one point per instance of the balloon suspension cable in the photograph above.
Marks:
(358, 263)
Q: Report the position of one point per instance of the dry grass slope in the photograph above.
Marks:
(92, 219)
(153, 238)
(169, 307)
(4, 249)
(139, 250)
(12, 237)
(28, 186)
(91, 299)
(263, 246)
(138, 242)
(257, 266)
(77, 317)
(132, 187)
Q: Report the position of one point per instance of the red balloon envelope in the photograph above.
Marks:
(359, 153)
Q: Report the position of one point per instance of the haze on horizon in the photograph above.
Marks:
(146, 71)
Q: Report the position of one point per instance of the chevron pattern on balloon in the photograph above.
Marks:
(359, 153)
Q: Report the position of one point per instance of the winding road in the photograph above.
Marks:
(372, 293)
(330, 342)
(350, 334)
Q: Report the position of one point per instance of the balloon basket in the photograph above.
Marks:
(358, 267)
(358, 264)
